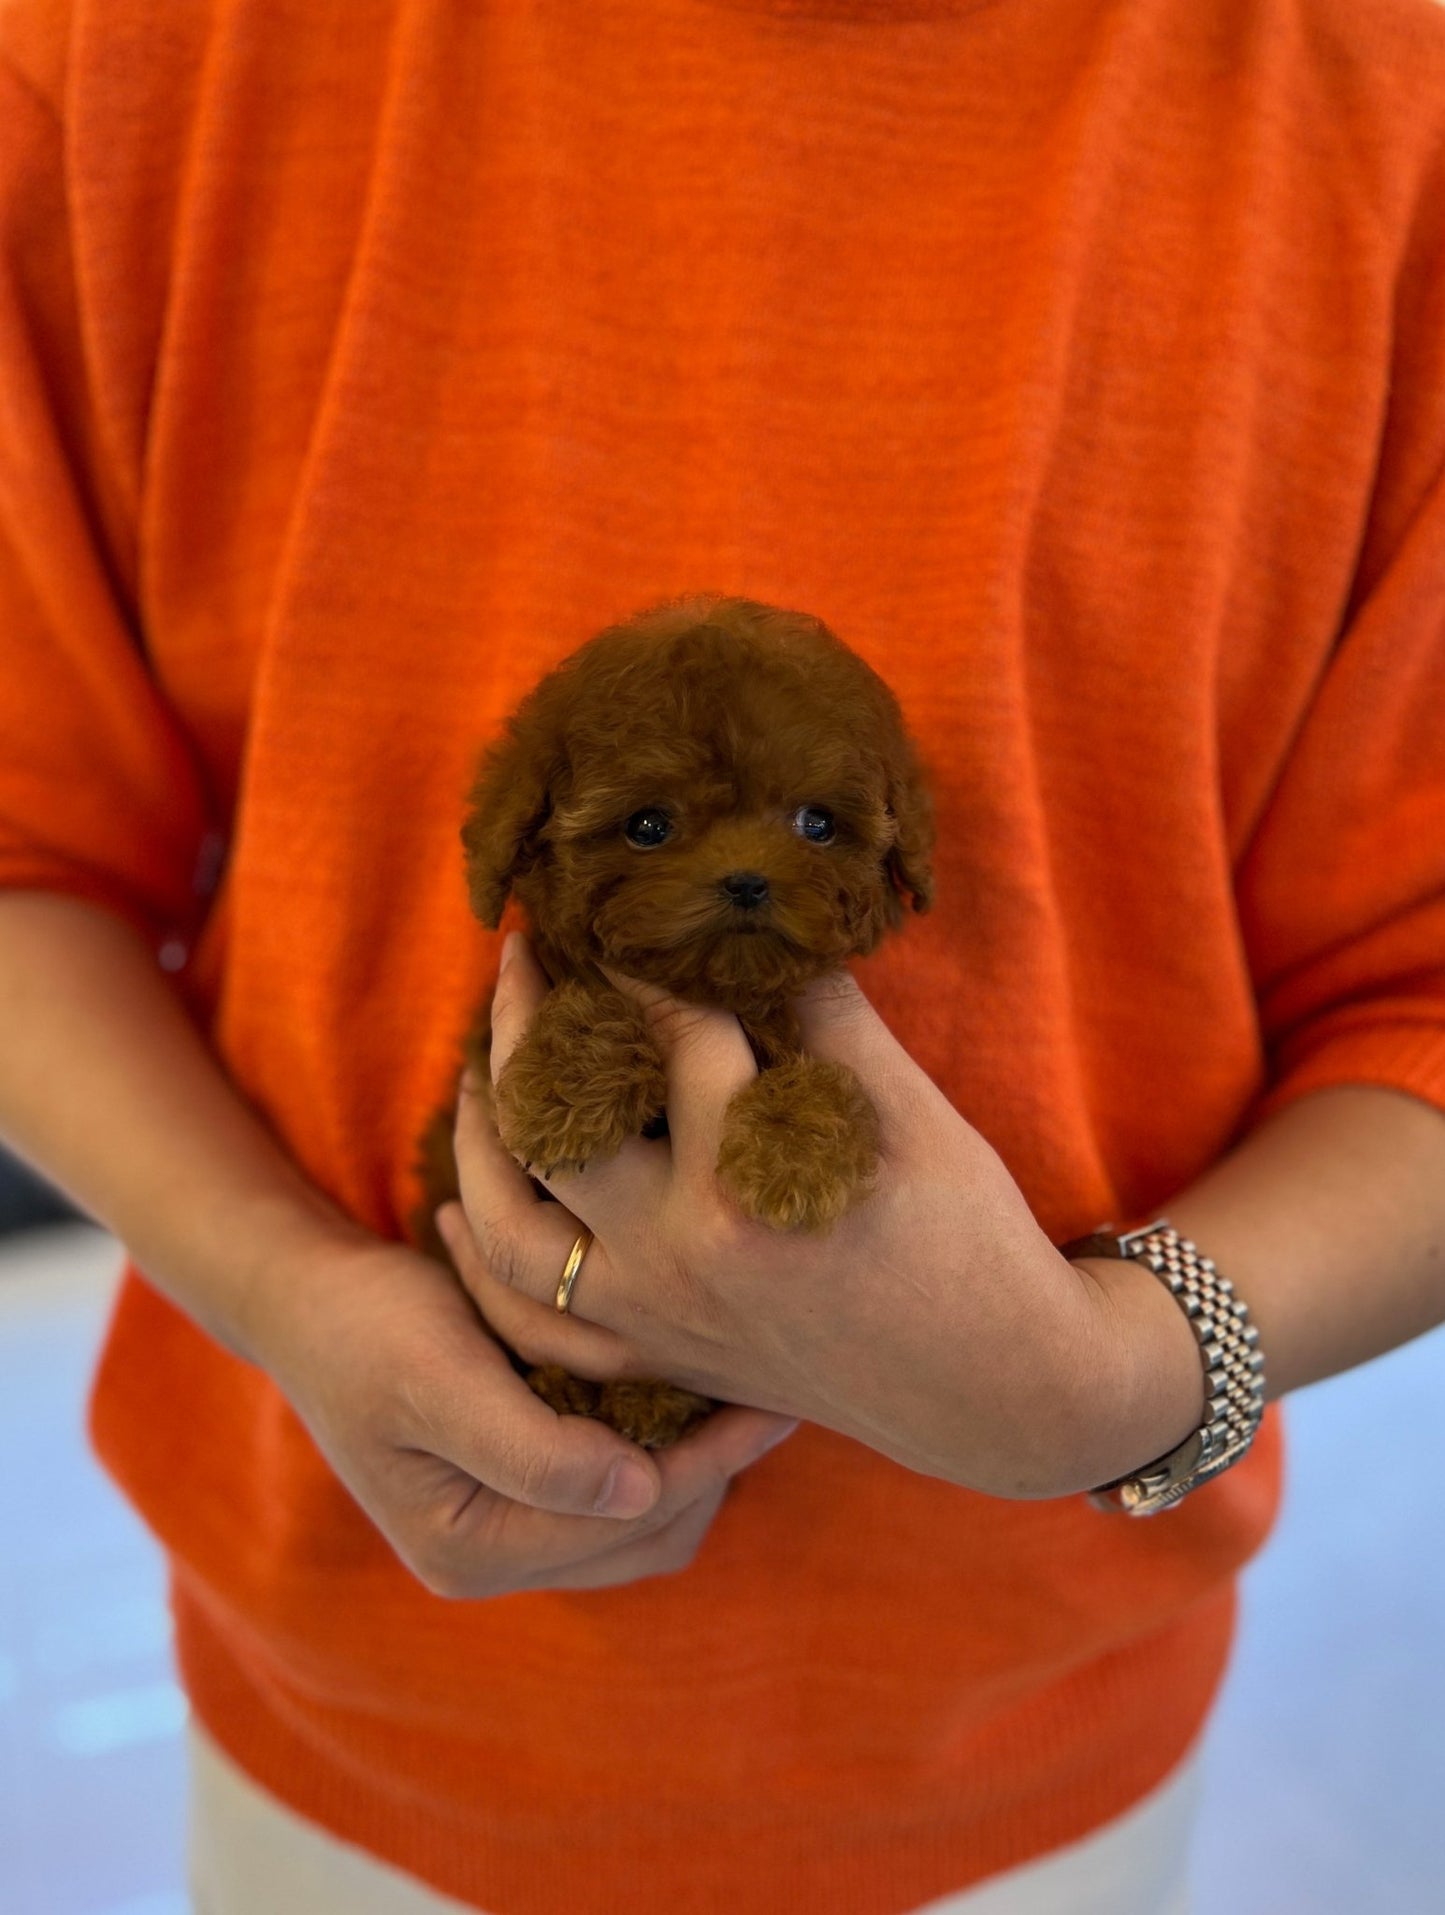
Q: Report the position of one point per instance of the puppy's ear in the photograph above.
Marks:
(510, 803)
(909, 862)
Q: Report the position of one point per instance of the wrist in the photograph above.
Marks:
(1119, 1383)
(287, 1237)
(1145, 1387)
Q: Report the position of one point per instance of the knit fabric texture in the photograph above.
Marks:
(1082, 364)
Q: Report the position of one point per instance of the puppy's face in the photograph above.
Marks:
(708, 810)
(727, 875)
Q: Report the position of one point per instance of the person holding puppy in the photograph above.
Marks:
(1083, 371)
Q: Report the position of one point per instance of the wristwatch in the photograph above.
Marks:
(1233, 1367)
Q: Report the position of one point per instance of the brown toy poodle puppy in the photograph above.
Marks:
(719, 797)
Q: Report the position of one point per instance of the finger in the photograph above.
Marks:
(489, 1546)
(521, 986)
(633, 1180)
(492, 1426)
(611, 1194)
(724, 1444)
(500, 1549)
(491, 1181)
(508, 1231)
(521, 1306)
(660, 1552)
(511, 1233)
(702, 1465)
(837, 1023)
(581, 1552)
(707, 1060)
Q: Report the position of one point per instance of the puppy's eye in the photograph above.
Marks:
(815, 824)
(649, 827)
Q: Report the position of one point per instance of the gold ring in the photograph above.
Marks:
(569, 1275)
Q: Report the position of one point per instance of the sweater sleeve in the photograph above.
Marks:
(99, 792)
(1342, 892)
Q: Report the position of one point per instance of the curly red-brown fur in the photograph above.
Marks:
(738, 725)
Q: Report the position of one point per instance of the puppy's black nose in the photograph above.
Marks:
(747, 888)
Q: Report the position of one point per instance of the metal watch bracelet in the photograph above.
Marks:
(1233, 1367)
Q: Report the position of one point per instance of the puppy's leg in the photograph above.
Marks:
(586, 1077)
(799, 1144)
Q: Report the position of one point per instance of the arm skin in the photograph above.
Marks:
(107, 1087)
(935, 1322)
(1330, 1221)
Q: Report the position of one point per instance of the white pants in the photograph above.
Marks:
(250, 1853)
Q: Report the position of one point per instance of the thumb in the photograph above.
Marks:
(508, 1439)
(837, 1022)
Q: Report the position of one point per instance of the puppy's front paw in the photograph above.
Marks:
(586, 1076)
(799, 1145)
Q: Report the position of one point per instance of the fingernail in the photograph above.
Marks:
(511, 943)
(628, 1491)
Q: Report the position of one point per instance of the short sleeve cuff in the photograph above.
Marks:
(1405, 1055)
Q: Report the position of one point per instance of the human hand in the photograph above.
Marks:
(935, 1322)
(479, 1488)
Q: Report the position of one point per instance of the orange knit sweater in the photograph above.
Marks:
(1082, 362)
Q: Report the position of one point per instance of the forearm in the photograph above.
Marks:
(1330, 1221)
(107, 1087)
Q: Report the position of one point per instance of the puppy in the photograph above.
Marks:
(719, 797)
